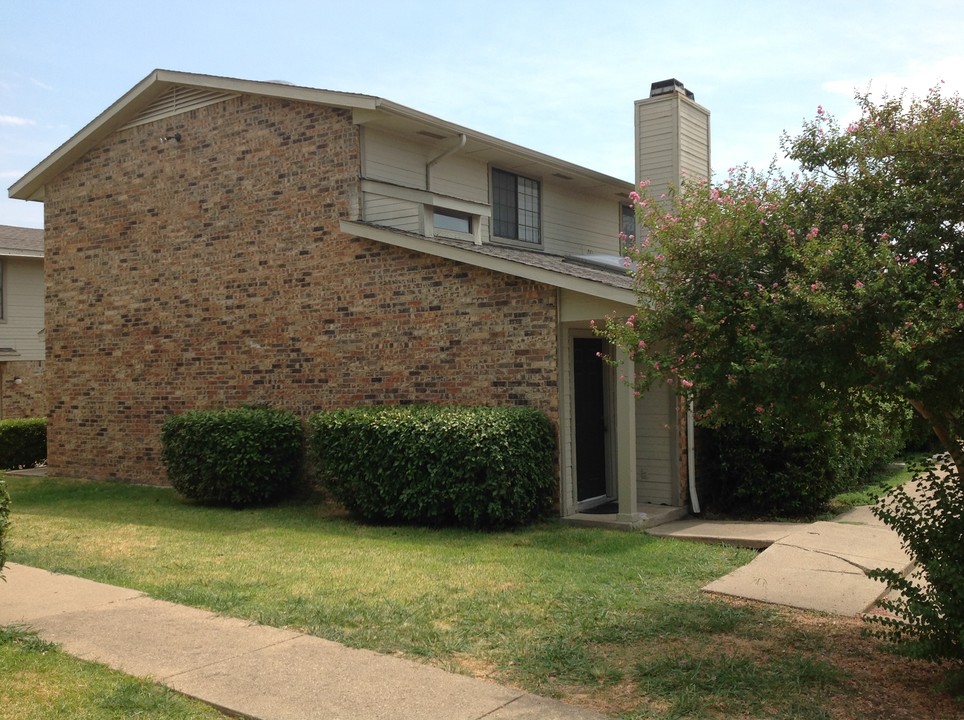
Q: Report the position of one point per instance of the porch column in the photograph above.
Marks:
(625, 412)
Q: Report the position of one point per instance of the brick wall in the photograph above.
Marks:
(26, 398)
(211, 272)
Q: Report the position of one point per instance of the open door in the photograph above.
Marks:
(591, 420)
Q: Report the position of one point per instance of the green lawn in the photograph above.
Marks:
(612, 620)
(41, 683)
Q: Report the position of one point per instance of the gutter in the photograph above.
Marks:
(691, 458)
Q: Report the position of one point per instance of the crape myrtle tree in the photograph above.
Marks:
(782, 302)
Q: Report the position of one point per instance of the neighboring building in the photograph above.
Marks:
(21, 322)
(212, 242)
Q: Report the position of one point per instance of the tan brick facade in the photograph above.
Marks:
(24, 399)
(211, 272)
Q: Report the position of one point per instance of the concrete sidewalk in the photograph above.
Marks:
(815, 566)
(251, 670)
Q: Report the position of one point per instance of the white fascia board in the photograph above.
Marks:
(489, 262)
(18, 252)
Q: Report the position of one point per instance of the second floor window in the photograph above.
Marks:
(515, 207)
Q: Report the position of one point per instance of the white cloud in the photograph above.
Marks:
(14, 120)
(41, 84)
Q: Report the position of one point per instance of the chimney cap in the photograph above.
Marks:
(664, 87)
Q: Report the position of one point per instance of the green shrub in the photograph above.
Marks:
(928, 609)
(756, 470)
(23, 443)
(240, 457)
(472, 467)
(4, 524)
(742, 474)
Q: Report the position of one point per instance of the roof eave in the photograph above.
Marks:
(125, 109)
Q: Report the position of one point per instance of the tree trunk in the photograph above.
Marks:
(950, 442)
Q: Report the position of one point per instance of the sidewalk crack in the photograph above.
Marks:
(860, 567)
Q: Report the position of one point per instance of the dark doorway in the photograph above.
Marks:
(591, 422)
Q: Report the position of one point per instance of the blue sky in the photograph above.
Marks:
(559, 77)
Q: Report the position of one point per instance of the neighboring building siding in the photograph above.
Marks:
(22, 329)
(23, 317)
(211, 272)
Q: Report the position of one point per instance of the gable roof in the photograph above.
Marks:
(21, 242)
(165, 92)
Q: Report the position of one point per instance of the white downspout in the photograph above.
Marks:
(691, 458)
(450, 151)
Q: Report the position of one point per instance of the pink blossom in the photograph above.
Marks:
(634, 196)
(819, 109)
(960, 306)
(686, 383)
(759, 408)
(642, 343)
(913, 261)
(858, 284)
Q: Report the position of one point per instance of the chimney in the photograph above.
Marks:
(672, 136)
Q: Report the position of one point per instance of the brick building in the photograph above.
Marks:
(212, 242)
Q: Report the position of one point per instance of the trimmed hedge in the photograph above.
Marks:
(473, 467)
(4, 523)
(23, 443)
(239, 457)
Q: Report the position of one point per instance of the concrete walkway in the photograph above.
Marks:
(251, 670)
(815, 566)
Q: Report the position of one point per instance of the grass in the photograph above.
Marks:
(611, 620)
(42, 683)
(878, 485)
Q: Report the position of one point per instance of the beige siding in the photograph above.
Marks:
(694, 141)
(656, 144)
(672, 140)
(391, 159)
(572, 223)
(656, 447)
(23, 322)
(395, 213)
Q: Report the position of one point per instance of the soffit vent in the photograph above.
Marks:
(178, 100)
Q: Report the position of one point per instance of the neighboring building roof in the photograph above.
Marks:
(21, 241)
(152, 99)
